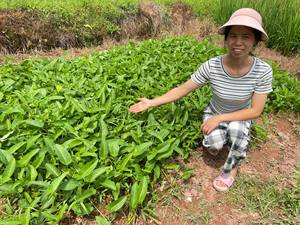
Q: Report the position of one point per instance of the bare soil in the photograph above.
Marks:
(196, 201)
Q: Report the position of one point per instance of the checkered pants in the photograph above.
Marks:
(236, 134)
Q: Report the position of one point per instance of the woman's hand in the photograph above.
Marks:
(210, 124)
(141, 106)
(171, 96)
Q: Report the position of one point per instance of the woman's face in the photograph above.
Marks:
(240, 41)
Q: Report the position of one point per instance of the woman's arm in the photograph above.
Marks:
(171, 96)
(257, 105)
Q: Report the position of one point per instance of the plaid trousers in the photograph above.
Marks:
(236, 134)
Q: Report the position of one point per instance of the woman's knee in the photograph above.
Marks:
(215, 145)
(237, 129)
(216, 139)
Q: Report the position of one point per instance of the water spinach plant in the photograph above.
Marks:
(67, 136)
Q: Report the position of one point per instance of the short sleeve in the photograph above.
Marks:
(264, 84)
(201, 76)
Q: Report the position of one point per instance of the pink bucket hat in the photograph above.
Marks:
(246, 17)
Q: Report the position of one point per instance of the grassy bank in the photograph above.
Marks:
(66, 4)
(42, 25)
(88, 21)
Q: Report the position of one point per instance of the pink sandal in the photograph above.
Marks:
(225, 179)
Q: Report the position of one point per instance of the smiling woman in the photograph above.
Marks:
(282, 20)
(240, 84)
(239, 42)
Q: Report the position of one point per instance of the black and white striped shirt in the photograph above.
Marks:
(233, 93)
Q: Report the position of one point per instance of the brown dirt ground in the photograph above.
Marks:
(196, 201)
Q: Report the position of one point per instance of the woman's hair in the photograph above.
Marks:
(257, 34)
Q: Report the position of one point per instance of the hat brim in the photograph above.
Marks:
(244, 21)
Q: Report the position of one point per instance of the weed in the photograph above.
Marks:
(274, 205)
(204, 216)
(260, 133)
(286, 93)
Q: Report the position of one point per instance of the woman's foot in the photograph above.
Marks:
(225, 180)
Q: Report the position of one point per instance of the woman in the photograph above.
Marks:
(240, 84)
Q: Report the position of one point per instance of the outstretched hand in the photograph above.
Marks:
(140, 106)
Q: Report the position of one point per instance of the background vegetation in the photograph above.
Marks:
(89, 21)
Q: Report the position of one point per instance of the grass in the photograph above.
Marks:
(173, 189)
(62, 5)
(260, 134)
(202, 217)
(86, 17)
(200, 7)
(273, 204)
(65, 24)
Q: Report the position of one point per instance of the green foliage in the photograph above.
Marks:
(281, 20)
(90, 20)
(102, 220)
(259, 133)
(291, 197)
(89, 24)
(67, 133)
(286, 92)
(78, 23)
(66, 5)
